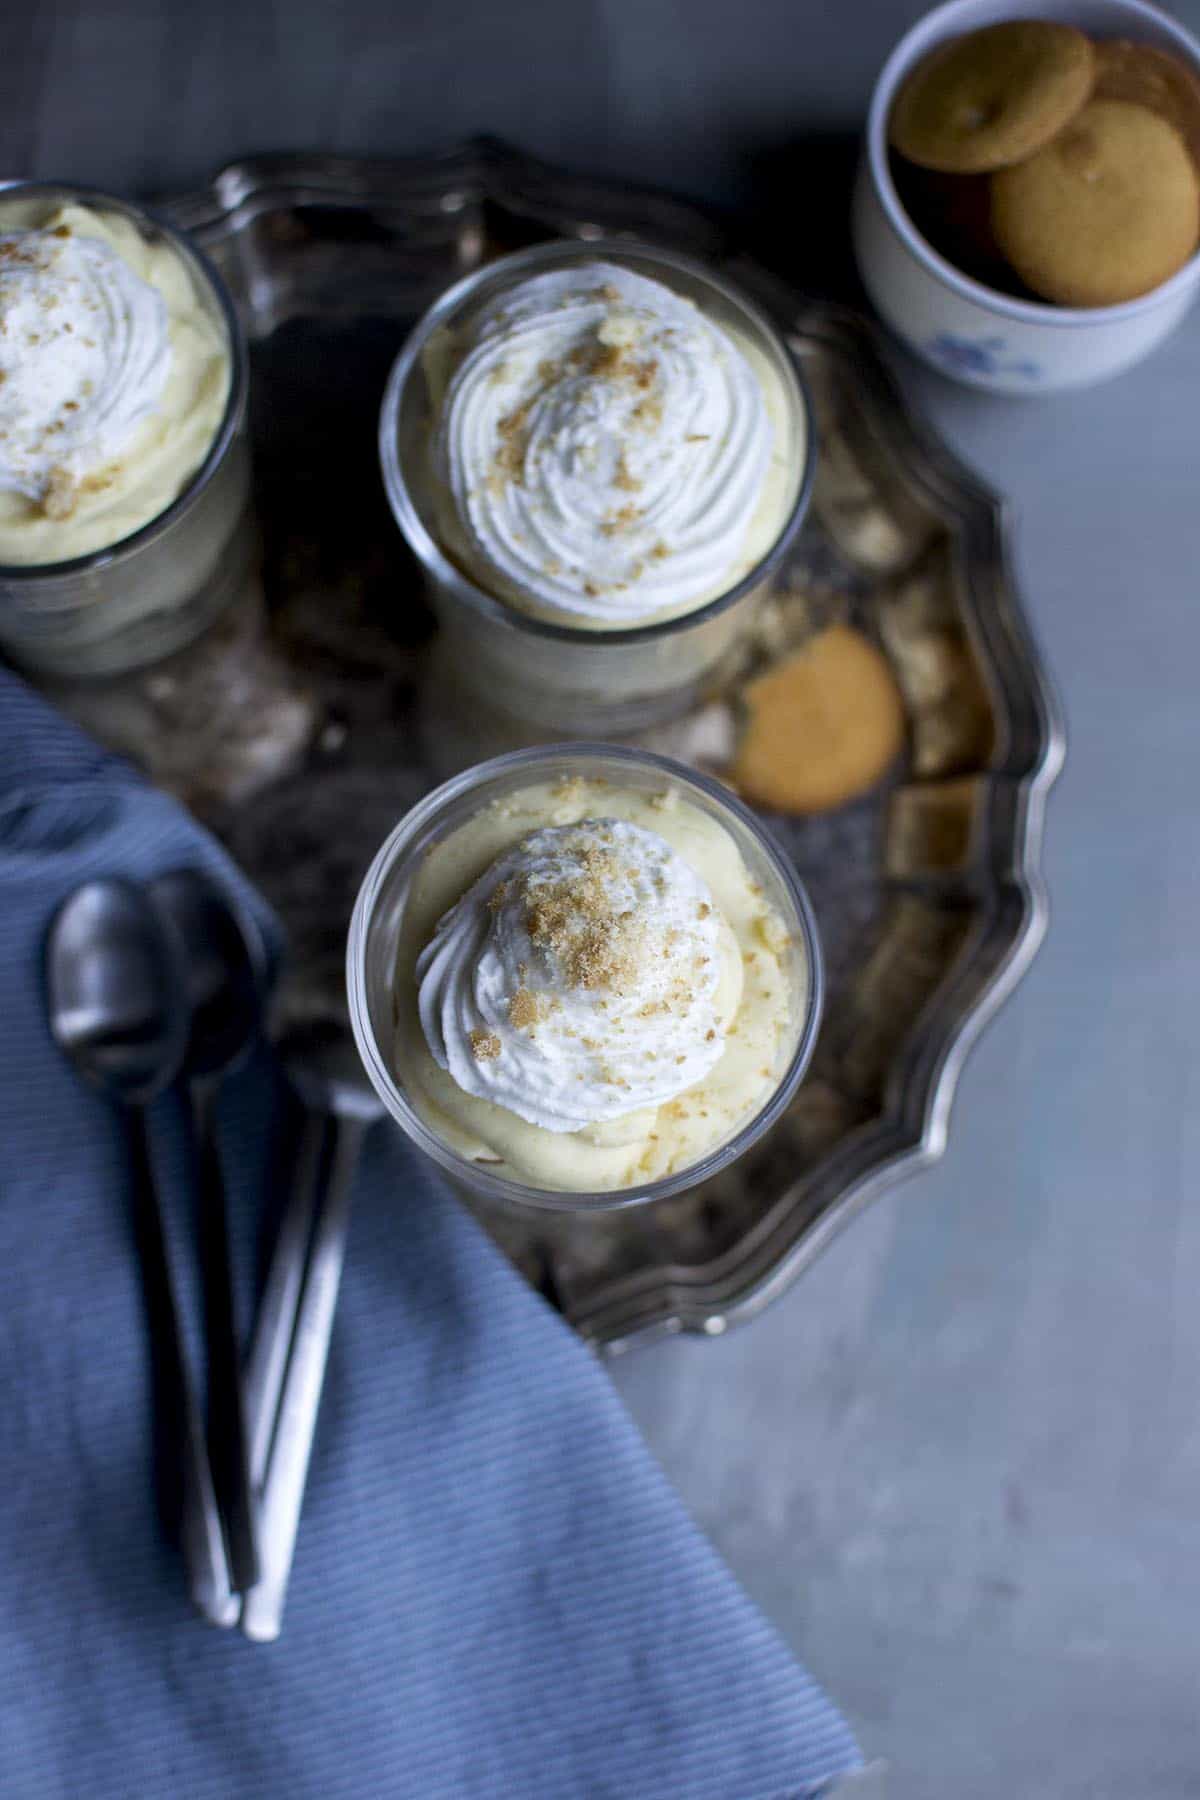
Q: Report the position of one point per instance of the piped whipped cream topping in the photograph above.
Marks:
(604, 445)
(576, 980)
(84, 356)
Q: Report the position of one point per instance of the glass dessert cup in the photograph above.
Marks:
(157, 588)
(560, 677)
(379, 917)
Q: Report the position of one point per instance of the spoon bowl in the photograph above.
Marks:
(115, 1004)
(225, 967)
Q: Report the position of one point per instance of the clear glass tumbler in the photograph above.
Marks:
(155, 590)
(556, 677)
(379, 916)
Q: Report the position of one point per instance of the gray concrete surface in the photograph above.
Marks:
(960, 1463)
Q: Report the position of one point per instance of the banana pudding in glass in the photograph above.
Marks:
(582, 973)
(599, 454)
(605, 454)
(123, 467)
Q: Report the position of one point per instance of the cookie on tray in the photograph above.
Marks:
(822, 726)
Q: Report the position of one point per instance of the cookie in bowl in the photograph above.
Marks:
(1027, 213)
(992, 97)
(1108, 210)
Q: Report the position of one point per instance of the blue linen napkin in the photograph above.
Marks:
(495, 1591)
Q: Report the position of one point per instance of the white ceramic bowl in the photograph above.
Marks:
(971, 332)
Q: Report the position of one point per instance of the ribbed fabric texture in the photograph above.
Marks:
(496, 1594)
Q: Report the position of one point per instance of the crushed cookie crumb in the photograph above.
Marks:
(697, 437)
(622, 520)
(514, 438)
(524, 1008)
(575, 918)
(61, 494)
(623, 479)
(485, 1046)
(496, 897)
(659, 552)
(647, 413)
(606, 359)
(709, 1035)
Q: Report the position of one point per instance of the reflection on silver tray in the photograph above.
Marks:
(302, 741)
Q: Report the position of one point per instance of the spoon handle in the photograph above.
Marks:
(276, 1321)
(227, 1447)
(202, 1540)
(287, 1472)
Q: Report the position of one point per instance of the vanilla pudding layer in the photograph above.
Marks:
(114, 379)
(591, 990)
(603, 453)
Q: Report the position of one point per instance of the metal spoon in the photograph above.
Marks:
(224, 965)
(324, 1068)
(116, 1009)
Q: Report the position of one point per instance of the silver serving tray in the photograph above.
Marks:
(302, 742)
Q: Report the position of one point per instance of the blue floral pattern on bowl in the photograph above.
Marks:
(979, 356)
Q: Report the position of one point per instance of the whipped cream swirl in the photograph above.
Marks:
(604, 445)
(576, 980)
(84, 355)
